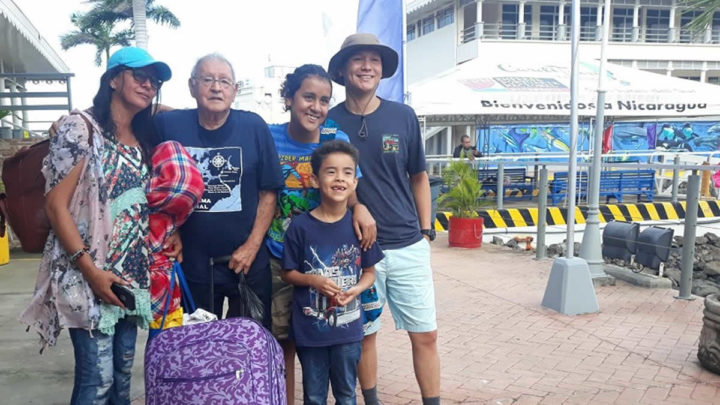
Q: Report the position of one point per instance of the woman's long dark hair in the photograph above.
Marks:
(293, 81)
(142, 123)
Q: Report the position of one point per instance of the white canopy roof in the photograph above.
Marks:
(486, 90)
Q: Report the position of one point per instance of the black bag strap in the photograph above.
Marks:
(3, 214)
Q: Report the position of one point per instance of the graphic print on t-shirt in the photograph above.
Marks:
(391, 143)
(343, 270)
(297, 197)
(221, 169)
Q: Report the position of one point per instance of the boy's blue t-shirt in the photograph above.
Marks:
(237, 161)
(333, 251)
(297, 195)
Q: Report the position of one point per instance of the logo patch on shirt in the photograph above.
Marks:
(390, 143)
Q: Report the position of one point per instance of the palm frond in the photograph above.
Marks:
(98, 56)
(704, 19)
(163, 16)
(75, 38)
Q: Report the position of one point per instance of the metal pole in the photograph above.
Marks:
(572, 173)
(500, 185)
(591, 248)
(676, 180)
(69, 94)
(688, 250)
(542, 214)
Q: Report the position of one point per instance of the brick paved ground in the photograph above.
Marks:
(499, 346)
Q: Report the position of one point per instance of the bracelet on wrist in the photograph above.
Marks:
(78, 254)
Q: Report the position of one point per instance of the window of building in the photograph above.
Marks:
(715, 38)
(714, 80)
(508, 29)
(687, 35)
(410, 32)
(548, 22)
(588, 22)
(527, 18)
(445, 17)
(622, 23)
(428, 25)
(693, 78)
(657, 25)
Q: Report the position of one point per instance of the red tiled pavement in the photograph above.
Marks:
(498, 345)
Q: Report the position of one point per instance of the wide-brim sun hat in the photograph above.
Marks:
(358, 42)
(138, 58)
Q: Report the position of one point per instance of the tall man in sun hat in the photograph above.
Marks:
(396, 190)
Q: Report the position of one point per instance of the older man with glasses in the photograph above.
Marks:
(241, 171)
(396, 190)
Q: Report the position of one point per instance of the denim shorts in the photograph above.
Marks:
(404, 281)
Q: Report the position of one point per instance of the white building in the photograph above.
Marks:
(262, 95)
(27, 62)
(645, 34)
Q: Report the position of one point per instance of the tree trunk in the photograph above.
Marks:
(139, 22)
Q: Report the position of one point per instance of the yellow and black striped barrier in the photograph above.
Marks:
(518, 217)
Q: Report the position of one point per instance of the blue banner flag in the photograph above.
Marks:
(384, 18)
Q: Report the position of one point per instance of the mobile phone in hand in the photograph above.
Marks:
(124, 295)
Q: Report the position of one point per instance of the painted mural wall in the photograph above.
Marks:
(695, 136)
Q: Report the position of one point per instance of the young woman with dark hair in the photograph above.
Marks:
(307, 92)
(93, 277)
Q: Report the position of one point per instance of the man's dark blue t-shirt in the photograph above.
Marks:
(391, 150)
(331, 250)
(237, 161)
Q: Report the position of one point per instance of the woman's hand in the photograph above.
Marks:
(101, 281)
(173, 247)
(365, 226)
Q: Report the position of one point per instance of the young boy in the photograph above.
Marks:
(322, 258)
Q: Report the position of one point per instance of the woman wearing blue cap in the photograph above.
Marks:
(93, 277)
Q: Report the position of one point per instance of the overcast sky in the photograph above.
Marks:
(251, 34)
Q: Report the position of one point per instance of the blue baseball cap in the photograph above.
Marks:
(137, 58)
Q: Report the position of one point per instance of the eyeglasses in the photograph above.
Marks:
(363, 131)
(141, 76)
(208, 81)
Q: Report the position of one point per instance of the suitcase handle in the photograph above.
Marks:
(213, 262)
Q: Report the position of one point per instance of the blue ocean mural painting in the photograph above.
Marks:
(534, 138)
(694, 136)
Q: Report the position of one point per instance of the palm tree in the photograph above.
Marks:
(101, 35)
(140, 23)
(705, 19)
(116, 11)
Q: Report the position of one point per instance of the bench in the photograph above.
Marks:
(613, 184)
(515, 179)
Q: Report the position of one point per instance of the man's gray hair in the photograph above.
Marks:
(209, 57)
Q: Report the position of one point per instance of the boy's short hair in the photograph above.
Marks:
(334, 146)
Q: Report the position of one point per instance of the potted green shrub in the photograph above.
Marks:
(463, 199)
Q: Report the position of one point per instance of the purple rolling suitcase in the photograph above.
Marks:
(231, 361)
